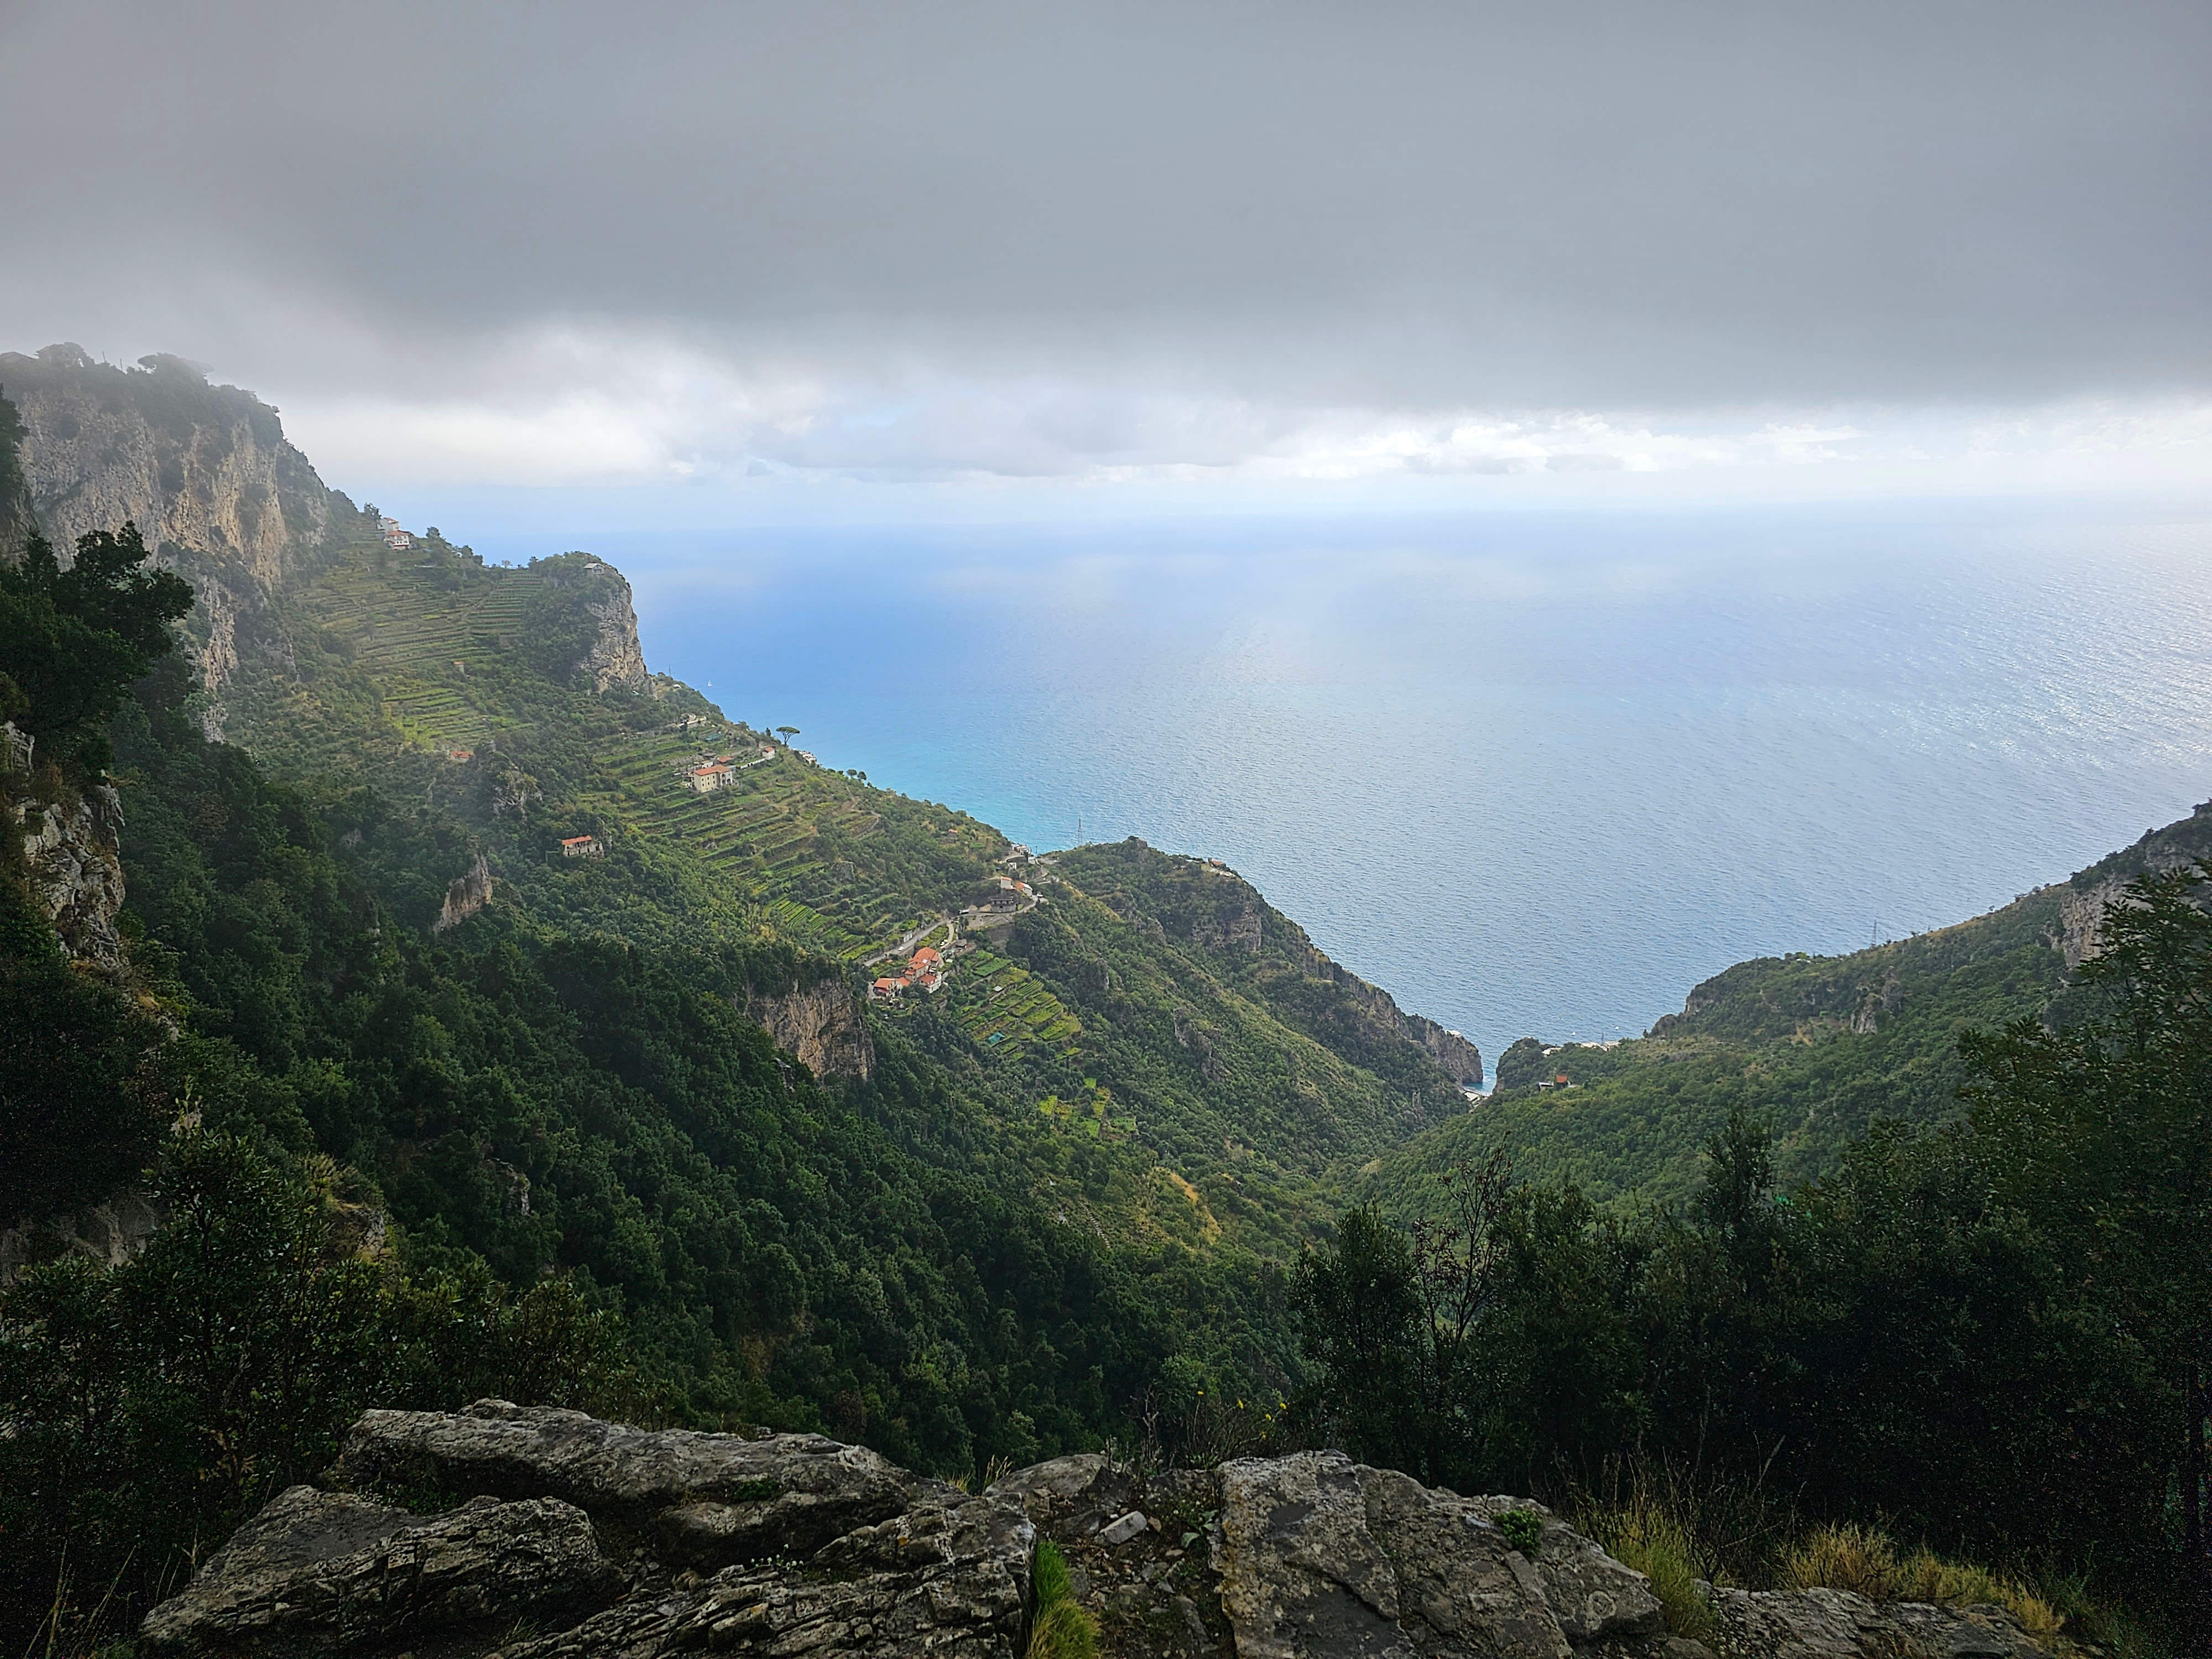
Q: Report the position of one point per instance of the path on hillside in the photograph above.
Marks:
(907, 944)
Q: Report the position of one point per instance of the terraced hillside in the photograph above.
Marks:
(1817, 1047)
(436, 685)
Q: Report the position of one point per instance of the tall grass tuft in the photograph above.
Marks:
(1863, 1560)
(1647, 1536)
(1060, 1628)
(1848, 1556)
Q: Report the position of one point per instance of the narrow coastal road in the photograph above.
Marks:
(907, 944)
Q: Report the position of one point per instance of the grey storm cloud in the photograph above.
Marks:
(1418, 204)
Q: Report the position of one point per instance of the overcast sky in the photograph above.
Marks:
(1183, 247)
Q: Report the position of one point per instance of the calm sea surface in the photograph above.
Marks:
(1535, 773)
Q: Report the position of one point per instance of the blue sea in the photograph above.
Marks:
(1535, 772)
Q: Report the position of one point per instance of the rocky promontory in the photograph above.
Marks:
(536, 1533)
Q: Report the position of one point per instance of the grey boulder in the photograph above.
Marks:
(1827, 1624)
(710, 1499)
(1319, 1555)
(318, 1572)
(548, 1534)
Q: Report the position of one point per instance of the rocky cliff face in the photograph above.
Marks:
(465, 894)
(1209, 908)
(615, 657)
(15, 521)
(203, 470)
(76, 873)
(110, 1234)
(202, 466)
(821, 1024)
(573, 1539)
(1379, 1011)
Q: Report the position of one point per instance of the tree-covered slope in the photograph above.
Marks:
(1819, 1047)
(364, 900)
(1214, 1087)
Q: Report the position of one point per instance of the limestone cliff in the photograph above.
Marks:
(15, 521)
(1202, 905)
(74, 873)
(467, 893)
(1459, 1057)
(205, 468)
(615, 657)
(821, 1024)
(110, 1234)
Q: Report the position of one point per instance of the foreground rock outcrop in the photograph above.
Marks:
(541, 1534)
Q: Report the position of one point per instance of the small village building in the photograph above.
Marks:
(394, 537)
(582, 846)
(806, 755)
(458, 755)
(887, 988)
(706, 780)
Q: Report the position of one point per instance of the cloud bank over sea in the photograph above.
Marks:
(1716, 248)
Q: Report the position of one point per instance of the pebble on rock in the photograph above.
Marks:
(1122, 1531)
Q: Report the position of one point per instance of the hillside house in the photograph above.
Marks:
(715, 775)
(459, 757)
(888, 989)
(394, 537)
(582, 846)
(806, 755)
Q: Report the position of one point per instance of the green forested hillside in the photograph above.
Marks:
(369, 1137)
(1212, 1094)
(1817, 1048)
(1072, 1164)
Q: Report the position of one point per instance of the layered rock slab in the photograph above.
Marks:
(1320, 1555)
(318, 1573)
(1827, 1624)
(947, 1579)
(707, 1500)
